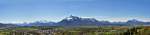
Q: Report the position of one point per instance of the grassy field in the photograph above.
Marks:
(82, 30)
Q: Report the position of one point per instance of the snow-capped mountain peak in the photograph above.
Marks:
(72, 17)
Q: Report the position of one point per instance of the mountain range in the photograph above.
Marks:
(78, 21)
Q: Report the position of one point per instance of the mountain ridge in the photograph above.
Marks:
(79, 21)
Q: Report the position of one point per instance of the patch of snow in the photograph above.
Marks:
(69, 18)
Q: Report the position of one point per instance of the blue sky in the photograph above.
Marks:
(16, 11)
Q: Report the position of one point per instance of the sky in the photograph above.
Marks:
(19, 11)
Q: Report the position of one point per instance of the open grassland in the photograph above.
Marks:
(82, 30)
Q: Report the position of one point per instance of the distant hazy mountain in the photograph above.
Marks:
(38, 23)
(2, 25)
(134, 21)
(137, 22)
